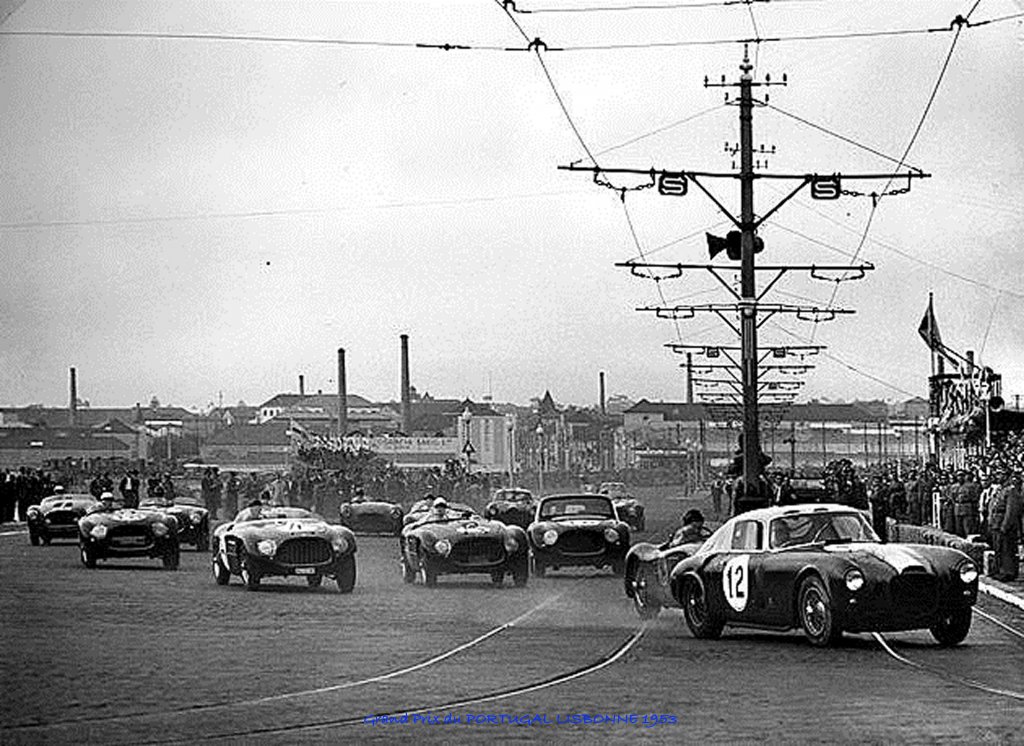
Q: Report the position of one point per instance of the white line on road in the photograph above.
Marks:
(1000, 594)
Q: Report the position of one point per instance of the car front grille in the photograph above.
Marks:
(478, 550)
(915, 591)
(581, 542)
(306, 550)
(129, 536)
(61, 518)
(373, 523)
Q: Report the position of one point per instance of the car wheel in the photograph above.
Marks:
(521, 573)
(221, 575)
(954, 628)
(427, 573)
(172, 558)
(646, 607)
(408, 573)
(498, 577)
(539, 569)
(250, 575)
(314, 581)
(703, 623)
(88, 556)
(33, 538)
(618, 567)
(815, 612)
(346, 574)
(45, 538)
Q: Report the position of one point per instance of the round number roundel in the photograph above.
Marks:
(735, 581)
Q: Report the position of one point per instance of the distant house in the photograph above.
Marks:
(40, 447)
(265, 447)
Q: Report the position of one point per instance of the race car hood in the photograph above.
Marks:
(624, 502)
(191, 512)
(899, 557)
(76, 504)
(503, 506)
(566, 524)
(127, 517)
(461, 529)
(283, 528)
(373, 507)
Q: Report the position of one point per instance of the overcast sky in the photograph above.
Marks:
(190, 218)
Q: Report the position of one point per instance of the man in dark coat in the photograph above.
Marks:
(1008, 561)
(129, 487)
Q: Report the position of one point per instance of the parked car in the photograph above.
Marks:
(109, 531)
(453, 539)
(56, 517)
(512, 505)
(192, 516)
(577, 530)
(266, 540)
(366, 515)
(823, 569)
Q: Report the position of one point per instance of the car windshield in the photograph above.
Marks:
(577, 506)
(513, 496)
(452, 512)
(274, 512)
(807, 528)
(49, 502)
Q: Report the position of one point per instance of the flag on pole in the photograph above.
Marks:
(929, 329)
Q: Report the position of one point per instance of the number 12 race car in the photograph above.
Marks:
(823, 569)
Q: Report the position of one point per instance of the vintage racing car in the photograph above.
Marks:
(577, 530)
(649, 567)
(193, 518)
(454, 539)
(628, 507)
(266, 540)
(823, 569)
(511, 505)
(56, 517)
(108, 531)
(364, 515)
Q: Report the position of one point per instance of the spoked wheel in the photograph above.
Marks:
(408, 573)
(346, 574)
(427, 574)
(815, 610)
(645, 606)
(88, 556)
(250, 575)
(33, 538)
(539, 569)
(221, 575)
(203, 541)
(953, 629)
(521, 573)
(703, 623)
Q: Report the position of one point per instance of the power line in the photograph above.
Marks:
(646, 6)
(659, 130)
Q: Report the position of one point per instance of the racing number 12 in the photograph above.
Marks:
(735, 577)
(737, 583)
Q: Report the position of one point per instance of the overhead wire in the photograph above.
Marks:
(645, 6)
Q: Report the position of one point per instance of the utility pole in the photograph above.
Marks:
(748, 303)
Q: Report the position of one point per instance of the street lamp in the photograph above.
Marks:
(899, 451)
(510, 427)
(540, 459)
(467, 447)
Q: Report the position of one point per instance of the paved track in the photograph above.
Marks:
(130, 653)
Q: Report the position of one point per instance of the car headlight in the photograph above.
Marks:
(854, 580)
(611, 535)
(968, 572)
(511, 545)
(267, 547)
(339, 543)
(550, 536)
(159, 530)
(443, 547)
(98, 531)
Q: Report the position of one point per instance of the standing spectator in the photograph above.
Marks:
(947, 516)
(913, 498)
(996, 516)
(7, 496)
(231, 490)
(1009, 562)
(988, 488)
(897, 500)
(880, 507)
(965, 505)
(717, 490)
(129, 486)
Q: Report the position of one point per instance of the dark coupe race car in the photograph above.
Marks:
(453, 539)
(265, 540)
(628, 507)
(513, 506)
(193, 519)
(56, 517)
(577, 530)
(822, 568)
(649, 568)
(112, 532)
(372, 516)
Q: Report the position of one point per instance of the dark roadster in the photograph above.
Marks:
(265, 540)
(823, 569)
(369, 516)
(56, 517)
(577, 530)
(514, 506)
(193, 518)
(630, 510)
(649, 567)
(111, 532)
(455, 540)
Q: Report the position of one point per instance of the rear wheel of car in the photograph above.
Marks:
(646, 607)
(346, 574)
(498, 577)
(521, 573)
(221, 574)
(314, 581)
(172, 558)
(539, 569)
(954, 628)
(33, 538)
(88, 556)
(815, 612)
(408, 573)
(250, 575)
(427, 573)
(703, 623)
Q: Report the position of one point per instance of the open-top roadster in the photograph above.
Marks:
(56, 517)
(577, 530)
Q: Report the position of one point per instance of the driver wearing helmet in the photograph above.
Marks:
(106, 504)
(439, 509)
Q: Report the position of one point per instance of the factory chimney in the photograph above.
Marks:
(73, 409)
(342, 395)
(601, 378)
(302, 385)
(406, 391)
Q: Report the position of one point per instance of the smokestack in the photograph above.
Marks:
(302, 385)
(342, 395)
(73, 410)
(406, 392)
(601, 379)
(970, 361)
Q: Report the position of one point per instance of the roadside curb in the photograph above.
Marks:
(1002, 592)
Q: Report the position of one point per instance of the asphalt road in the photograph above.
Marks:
(131, 653)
